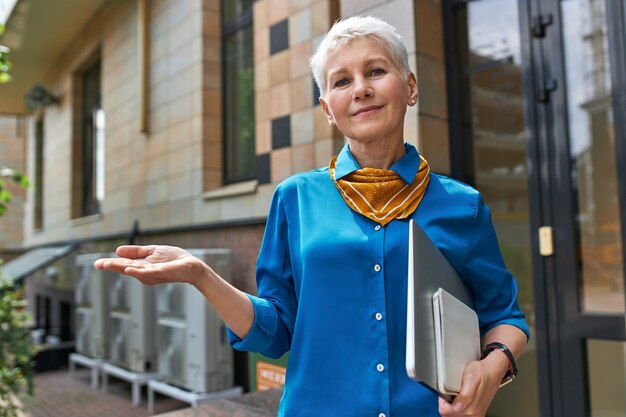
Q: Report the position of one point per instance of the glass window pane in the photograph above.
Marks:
(492, 109)
(234, 9)
(592, 149)
(39, 148)
(606, 366)
(239, 145)
(91, 96)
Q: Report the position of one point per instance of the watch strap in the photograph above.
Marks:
(512, 372)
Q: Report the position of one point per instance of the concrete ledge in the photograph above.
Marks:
(254, 404)
(193, 398)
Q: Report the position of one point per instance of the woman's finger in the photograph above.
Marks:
(445, 408)
(134, 251)
(110, 264)
(469, 388)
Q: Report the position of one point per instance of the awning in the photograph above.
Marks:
(38, 32)
(32, 261)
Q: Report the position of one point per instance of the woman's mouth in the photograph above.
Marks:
(366, 111)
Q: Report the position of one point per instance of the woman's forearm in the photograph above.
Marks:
(230, 303)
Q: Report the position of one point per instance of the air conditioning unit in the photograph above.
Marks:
(193, 349)
(91, 303)
(132, 322)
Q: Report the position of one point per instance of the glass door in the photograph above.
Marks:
(578, 61)
(489, 148)
(537, 92)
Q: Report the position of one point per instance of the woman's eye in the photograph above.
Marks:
(341, 83)
(377, 71)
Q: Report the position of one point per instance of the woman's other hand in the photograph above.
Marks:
(155, 264)
(481, 381)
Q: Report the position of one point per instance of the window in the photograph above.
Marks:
(38, 209)
(88, 161)
(488, 149)
(238, 91)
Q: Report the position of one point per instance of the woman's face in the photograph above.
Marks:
(367, 94)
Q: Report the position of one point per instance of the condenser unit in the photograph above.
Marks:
(91, 302)
(132, 322)
(193, 349)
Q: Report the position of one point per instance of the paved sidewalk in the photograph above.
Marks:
(58, 395)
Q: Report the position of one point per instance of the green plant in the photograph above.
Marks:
(16, 350)
(5, 64)
(16, 345)
(5, 194)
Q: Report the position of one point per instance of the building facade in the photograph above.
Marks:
(12, 140)
(161, 121)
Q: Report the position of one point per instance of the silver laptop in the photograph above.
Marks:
(428, 271)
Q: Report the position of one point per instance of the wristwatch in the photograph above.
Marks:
(512, 372)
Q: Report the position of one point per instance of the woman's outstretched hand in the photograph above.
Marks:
(158, 264)
(155, 264)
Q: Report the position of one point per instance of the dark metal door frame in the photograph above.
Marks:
(534, 73)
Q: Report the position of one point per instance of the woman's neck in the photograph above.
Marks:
(381, 154)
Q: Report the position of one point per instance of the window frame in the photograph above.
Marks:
(242, 22)
(80, 207)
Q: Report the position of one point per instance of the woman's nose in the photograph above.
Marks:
(362, 88)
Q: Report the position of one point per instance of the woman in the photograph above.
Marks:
(333, 264)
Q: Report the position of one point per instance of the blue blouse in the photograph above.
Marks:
(332, 291)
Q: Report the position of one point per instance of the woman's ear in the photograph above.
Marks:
(413, 90)
(327, 111)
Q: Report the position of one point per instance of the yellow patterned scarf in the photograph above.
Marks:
(381, 194)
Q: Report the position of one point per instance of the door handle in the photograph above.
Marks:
(546, 246)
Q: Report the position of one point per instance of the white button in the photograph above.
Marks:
(377, 228)
(379, 316)
(377, 268)
(382, 415)
(380, 367)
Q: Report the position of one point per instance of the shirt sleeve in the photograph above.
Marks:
(493, 286)
(276, 305)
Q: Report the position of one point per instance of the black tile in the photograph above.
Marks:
(263, 172)
(316, 93)
(281, 132)
(279, 36)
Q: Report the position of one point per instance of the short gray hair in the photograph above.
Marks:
(356, 27)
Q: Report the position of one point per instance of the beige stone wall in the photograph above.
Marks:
(431, 75)
(12, 156)
(172, 175)
(158, 178)
(284, 85)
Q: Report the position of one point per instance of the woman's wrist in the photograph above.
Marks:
(202, 275)
(498, 363)
(511, 372)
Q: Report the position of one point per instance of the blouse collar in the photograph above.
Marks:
(406, 167)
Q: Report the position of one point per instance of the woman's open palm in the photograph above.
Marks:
(154, 264)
